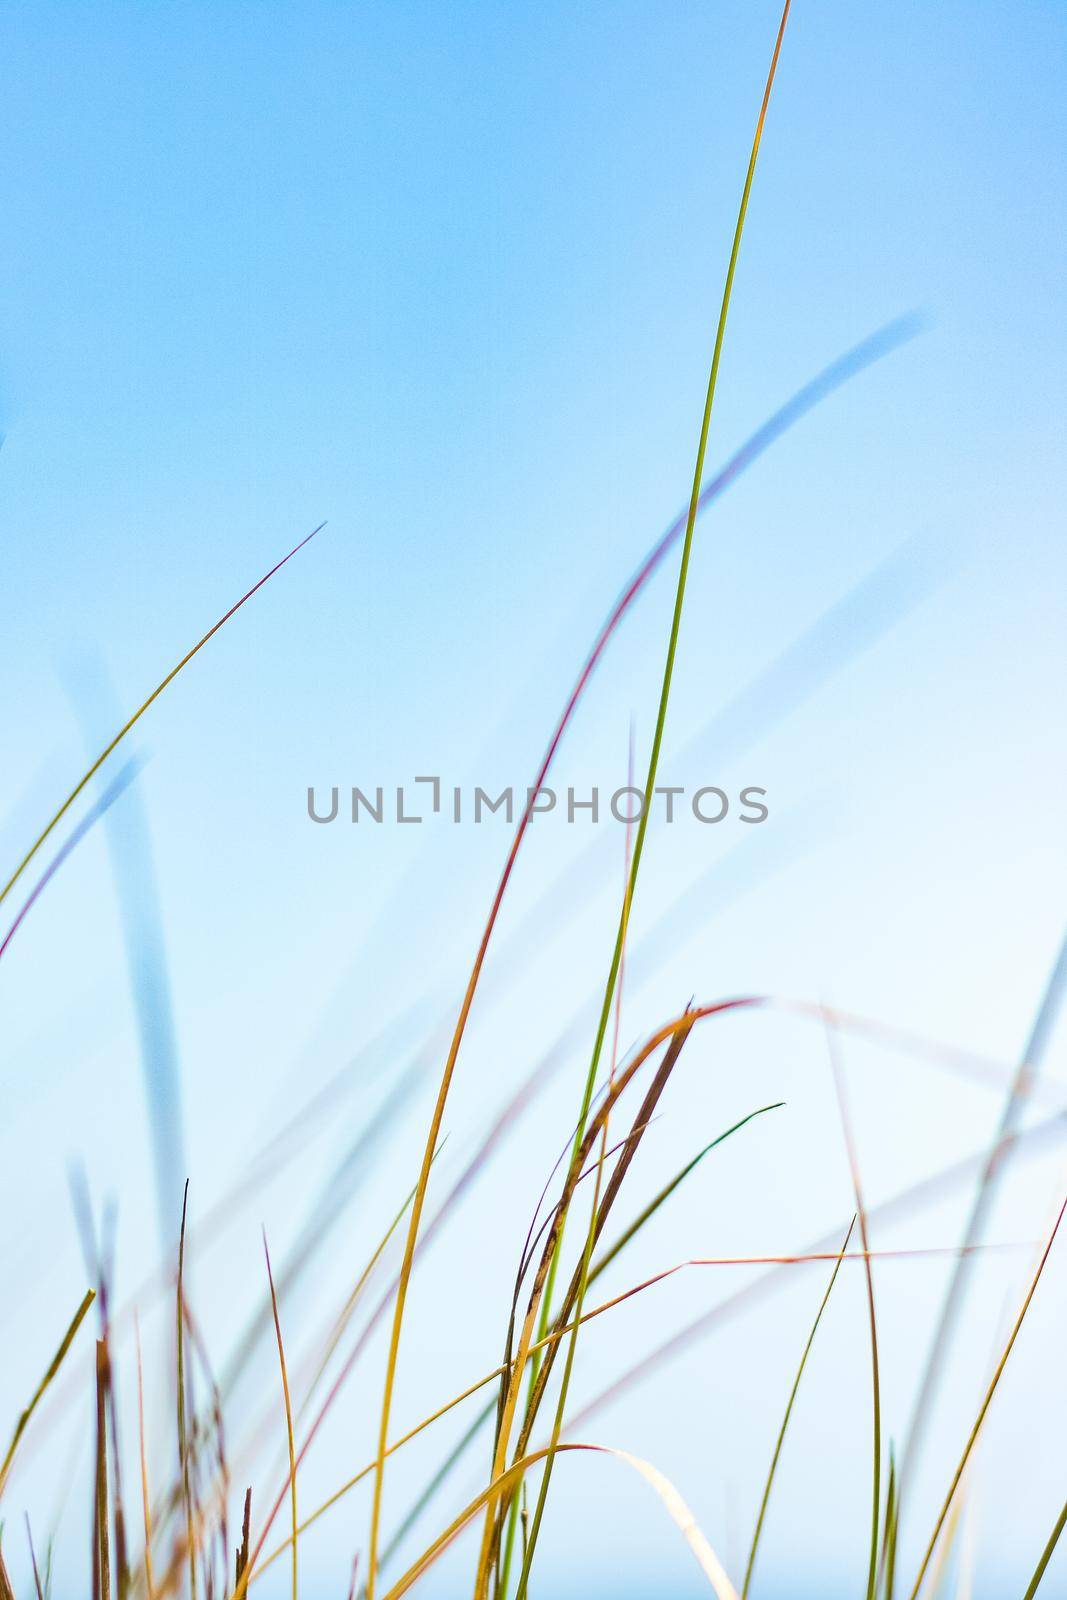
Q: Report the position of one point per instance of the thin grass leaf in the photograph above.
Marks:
(139, 713)
(288, 1407)
(754, 1547)
(1046, 1554)
(657, 740)
(183, 1441)
(53, 1367)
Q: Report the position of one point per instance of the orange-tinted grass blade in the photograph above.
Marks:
(93, 815)
(288, 1406)
(53, 1367)
(139, 713)
(672, 1501)
(1046, 1554)
(146, 1503)
(986, 1402)
(751, 1563)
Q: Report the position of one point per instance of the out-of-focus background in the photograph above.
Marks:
(448, 278)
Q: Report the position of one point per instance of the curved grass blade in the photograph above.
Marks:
(653, 764)
(1019, 1091)
(751, 1563)
(139, 713)
(672, 1501)
(986, 1402)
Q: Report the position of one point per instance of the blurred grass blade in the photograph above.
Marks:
(93, 815)
(989, 1181)
(642, 826)
(139, 713)
(53, 1367)
(665, 1193)
(750, 1566)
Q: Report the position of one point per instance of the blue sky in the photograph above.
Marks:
(447, 277)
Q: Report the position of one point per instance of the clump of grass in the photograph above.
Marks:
(185, 1526)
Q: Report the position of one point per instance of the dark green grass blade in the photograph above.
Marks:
(764, 1502)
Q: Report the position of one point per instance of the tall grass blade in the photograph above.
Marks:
(653, 764)
(989, 1181)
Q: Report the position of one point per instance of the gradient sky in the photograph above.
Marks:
(447, 277)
